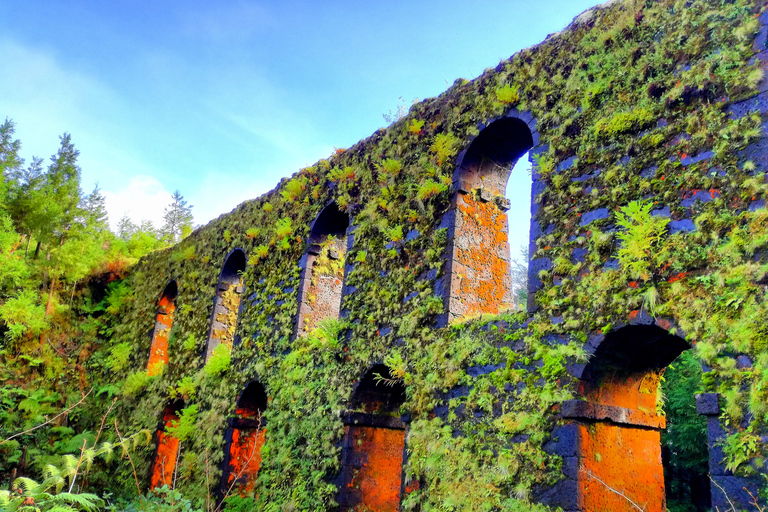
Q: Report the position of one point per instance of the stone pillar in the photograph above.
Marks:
(726, 488)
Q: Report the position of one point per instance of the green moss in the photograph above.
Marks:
(624, 122)
(589, 90)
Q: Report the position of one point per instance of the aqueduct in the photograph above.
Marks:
(371, 356)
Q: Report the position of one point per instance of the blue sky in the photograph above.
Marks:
(221, 99)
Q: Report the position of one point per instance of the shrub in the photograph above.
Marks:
(219, 360)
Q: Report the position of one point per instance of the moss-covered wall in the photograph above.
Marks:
(659, 101)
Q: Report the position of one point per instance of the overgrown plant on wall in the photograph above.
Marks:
(648, 201)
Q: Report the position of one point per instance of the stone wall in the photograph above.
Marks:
(639, 116)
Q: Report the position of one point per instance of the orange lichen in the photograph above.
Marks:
(634, 391)
(480, 282)
(226, 318)
(619, 459)
(245, 458)
(322, 298)
(167, 453)
(158, 352)
(376, 481)
(607, 447)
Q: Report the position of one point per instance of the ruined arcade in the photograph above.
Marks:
(352, 335)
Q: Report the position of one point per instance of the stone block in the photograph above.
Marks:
(567, 163)
(589, 217)
(503, 203)
(563, 494)
(564, 441)
(707, 404)
(684, 225)
(757, 103)
(733, 491)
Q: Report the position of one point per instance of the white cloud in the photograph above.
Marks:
(143, 199)
(226, 23)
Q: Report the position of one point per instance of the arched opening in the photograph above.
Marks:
(243, 441)
(373, 449)
(479, 265)
(685, 442)
(322, 278)
(167, 454)
(166, 309)
(619, 420)
(519, 223)
(226, 303)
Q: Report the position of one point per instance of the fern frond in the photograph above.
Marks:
(84, 501)
(69, 465)
(53, 478)
(27, 485)
(88, 455)
(107, 450)
(62, 508)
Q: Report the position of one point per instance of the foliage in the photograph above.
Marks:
(161, 499)
(641, 239)
(219, 360)
(27, 494)
(495, 384)
(177, 218)
(508, 94)
(688, 456)
(623, 122)
(135, 383)
(184, 427)
(444, 147)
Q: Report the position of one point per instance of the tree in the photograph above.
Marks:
(94, 210)
(126, 228)
(9, 149)
(45, 204)
(178, 218)
(519, 272)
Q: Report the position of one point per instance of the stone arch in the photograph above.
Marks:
(226, 302)
(373, 448)
(479, 258)
(166, 310)
(322, 276)
(615, 418)
(167, 453)
(243, 440)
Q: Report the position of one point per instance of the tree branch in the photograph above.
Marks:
(589, 474)
(65, 411)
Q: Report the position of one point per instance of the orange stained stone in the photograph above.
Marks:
(634, 391)
(167, 453)
(377, 479)
(245, 458)
(619, 459)
(485, 290)
(158, 352)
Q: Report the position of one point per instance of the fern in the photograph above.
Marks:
(84, 501)
(641, 239)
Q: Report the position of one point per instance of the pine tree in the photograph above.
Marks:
(51, 200)
(94, 210)
(9, 149)
(126, 228)
(178, 218)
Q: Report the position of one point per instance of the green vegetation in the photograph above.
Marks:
(592, 90)
(686, 458)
